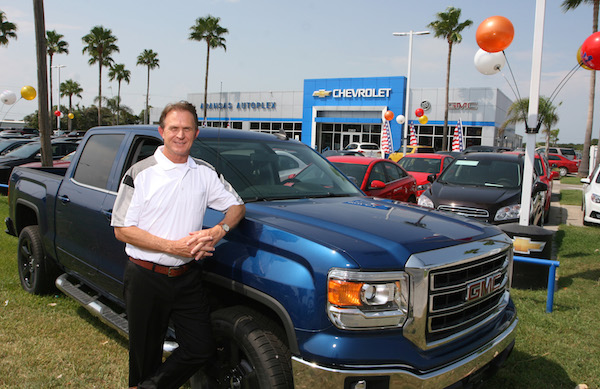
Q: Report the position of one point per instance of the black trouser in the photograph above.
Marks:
(152, 299)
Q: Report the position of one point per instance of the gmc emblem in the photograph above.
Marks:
(483, 287)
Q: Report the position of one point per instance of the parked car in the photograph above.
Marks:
(30, 152)
(8, 145)
(366, 149)
(566, 152)
(486, 187)
(546, 175)
(591, 198)
(485, 149)
(63, 162)
(398, 154)
(378, 177)
(563, 164)
(420, 166)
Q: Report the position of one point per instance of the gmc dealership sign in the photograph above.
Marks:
(462, 106)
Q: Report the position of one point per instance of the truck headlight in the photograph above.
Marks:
(367, 300)
(425, 201)
(508, 212)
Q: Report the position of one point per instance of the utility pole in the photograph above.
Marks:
(42, 73)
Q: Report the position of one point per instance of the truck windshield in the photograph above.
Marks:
(263, 170)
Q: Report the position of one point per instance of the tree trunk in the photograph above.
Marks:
(100, 92)
(147, 118)
(118, 101)
(51, 102)
(206, 81)
(445, 132)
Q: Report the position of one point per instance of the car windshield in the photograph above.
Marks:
(421, 165)
(485, 172)
(273, 170)
(25, 151)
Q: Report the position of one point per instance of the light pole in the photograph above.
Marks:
(58, 105)
(410, 40)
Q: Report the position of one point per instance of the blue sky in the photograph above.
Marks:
(276, 44)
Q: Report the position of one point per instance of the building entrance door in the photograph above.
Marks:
(348, 138)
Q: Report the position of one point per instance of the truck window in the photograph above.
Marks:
(97, 159)
(143, 147)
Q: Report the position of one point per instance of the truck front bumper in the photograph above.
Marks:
(466, 370)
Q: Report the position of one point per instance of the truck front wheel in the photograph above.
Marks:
(249, 352)
(35, 274)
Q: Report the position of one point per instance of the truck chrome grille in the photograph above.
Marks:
(466, 211)
(464, 295)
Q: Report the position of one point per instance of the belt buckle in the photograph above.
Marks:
(169, 272)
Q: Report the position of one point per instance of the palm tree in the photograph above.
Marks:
(119, 73)
(150, 59)
(70, 88)
(55, 45)
(115, 107)
(101, 43)
(7, 30)
(584, 168)
(518, 112)
(208, 29)
(447, 26)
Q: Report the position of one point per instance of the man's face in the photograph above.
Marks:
(179, 134)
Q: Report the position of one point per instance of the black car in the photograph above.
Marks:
(486, 187)
(30, 152)
(9, 144)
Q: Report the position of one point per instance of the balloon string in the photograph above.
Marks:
(563, 82)
(517, 93)
(11, 108)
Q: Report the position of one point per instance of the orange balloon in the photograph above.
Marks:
(389, 115)
(495, 34)
(580, 60)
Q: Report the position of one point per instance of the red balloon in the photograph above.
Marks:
(590, 51)
(389, 115)
(57, 113)
(419, 112)
(495, 34)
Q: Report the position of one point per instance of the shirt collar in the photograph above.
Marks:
(166, 163)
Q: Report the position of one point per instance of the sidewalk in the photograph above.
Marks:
(563, 214)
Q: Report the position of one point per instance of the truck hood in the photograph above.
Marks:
(375, 233)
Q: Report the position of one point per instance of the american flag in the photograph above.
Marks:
(386, 138)
(413, 136)
(457, 139)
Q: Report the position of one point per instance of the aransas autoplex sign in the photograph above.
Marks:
(242, 105)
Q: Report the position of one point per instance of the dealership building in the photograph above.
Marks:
(331, 113)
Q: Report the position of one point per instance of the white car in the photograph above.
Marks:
(366, 149)
(591, 198)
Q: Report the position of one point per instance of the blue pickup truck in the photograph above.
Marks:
(319, 286)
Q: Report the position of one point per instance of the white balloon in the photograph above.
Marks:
(400, 119)
(489, 63)
(8, 97)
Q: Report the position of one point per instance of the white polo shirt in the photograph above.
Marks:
(169, 200)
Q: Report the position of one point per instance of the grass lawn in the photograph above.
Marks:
(51, 342)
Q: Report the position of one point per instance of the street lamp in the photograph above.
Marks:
(58, 105)
(410, 40)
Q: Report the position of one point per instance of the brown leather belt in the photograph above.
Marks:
(171, 271)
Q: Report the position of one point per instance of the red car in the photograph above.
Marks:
(543, 170)
(378, 177)
(564, 165)
(420, 166)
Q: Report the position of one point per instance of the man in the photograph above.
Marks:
(158, 213)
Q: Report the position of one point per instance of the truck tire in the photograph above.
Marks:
(249, 353)
(35, 273)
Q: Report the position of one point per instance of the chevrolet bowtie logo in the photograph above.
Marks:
(526, 246)
(321, 93)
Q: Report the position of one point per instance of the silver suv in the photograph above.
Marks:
(566, 152)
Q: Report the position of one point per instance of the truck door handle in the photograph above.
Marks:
(107, 214)
(64, 199)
